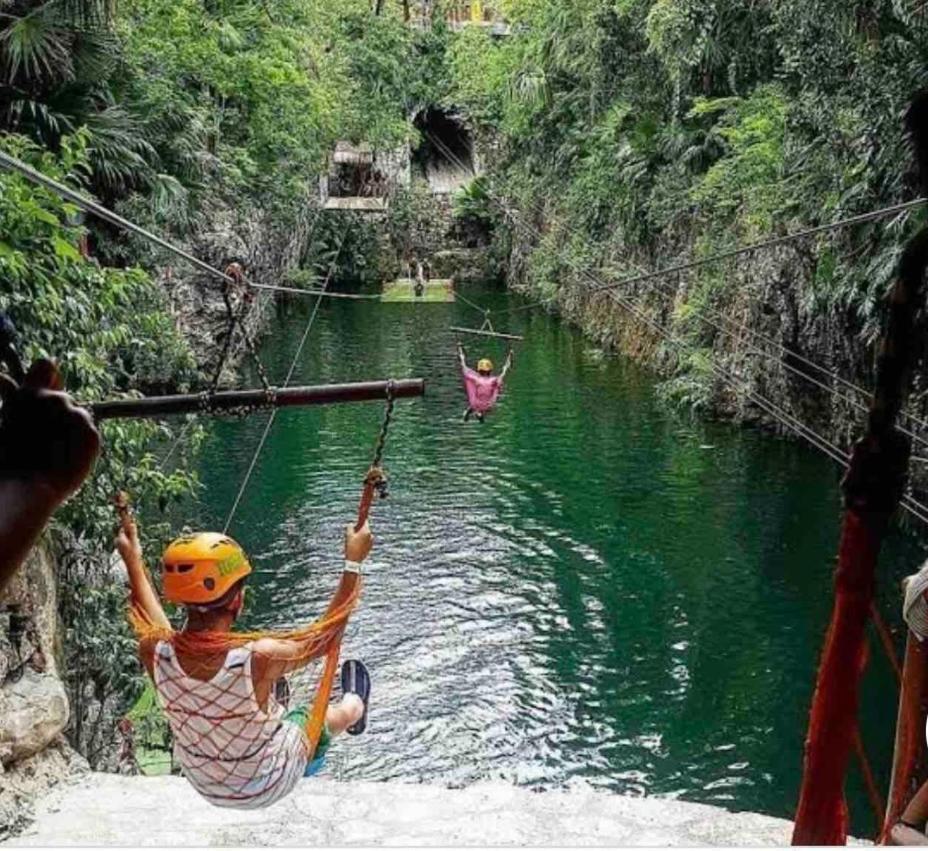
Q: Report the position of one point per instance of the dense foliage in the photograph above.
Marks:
(637, 132)
(110, 332)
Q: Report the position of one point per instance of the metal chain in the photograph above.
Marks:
(252, 350)
(385, 425)
(236, 319)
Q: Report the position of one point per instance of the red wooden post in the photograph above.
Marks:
(909, 753)
(872, 488)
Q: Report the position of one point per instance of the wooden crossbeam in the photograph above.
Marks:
(484, 333)
(233, 400)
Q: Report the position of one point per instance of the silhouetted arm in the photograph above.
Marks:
(47, 449)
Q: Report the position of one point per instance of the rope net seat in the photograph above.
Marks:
(220, 722)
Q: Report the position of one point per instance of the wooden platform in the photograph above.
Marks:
(357, 204)
(403, 290)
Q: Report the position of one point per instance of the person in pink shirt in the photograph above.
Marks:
(483, 388)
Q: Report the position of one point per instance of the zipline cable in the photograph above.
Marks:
(469, 303)
(767, 244)
(89, 206)
(916, 508)
(273, 414)
(162, 465)
(320, 293)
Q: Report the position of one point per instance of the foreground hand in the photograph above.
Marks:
(45, 439)
(358, 544)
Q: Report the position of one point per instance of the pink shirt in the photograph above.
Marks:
(482, 390)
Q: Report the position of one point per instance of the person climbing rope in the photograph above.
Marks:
(48, 447)
(235, 743)
(482, 387)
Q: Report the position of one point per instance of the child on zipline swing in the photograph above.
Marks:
(482, 387)
(236, 745)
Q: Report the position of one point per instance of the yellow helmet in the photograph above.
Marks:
(484, 365)
(201, 569)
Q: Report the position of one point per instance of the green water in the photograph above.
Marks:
(587, 588)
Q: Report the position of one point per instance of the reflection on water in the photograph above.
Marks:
(586, 588)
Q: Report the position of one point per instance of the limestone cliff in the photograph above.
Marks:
(33, 700)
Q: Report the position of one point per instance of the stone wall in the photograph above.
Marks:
(268, 246)
(33, 701)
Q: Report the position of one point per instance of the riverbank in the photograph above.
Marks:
(106, 809)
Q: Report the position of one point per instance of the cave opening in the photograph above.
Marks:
(445, 157)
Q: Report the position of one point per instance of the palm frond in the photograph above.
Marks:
(36, 48)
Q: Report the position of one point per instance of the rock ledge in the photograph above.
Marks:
(109, 809)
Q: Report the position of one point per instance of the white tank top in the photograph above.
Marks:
(234, 753)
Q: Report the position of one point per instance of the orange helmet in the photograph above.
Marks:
(200, 569)
(484, 365)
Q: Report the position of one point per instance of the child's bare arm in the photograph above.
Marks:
(506, 366)
(143, 594)
(275, 657)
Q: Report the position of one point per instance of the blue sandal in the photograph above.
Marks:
(356, 680)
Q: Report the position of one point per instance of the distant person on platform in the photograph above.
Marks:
(419, 285)
(482, 386)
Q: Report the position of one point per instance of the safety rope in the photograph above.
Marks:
(468, 302)
(273, 415)
(869, 778)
